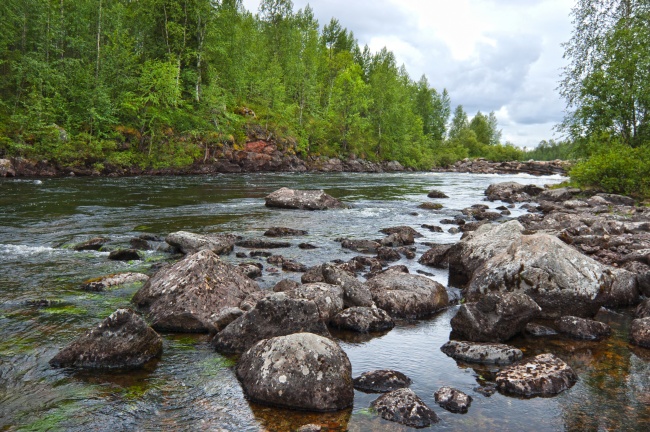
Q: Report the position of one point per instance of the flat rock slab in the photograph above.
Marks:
(105, 282)
(582, 328)
(453, 400)
(543, 375)
(301, 371)
(362, 320)
(381, 381)
(405, 407)
(640, 332)
(484, 353)
(190, 243)
(123, 340)
(302, 200)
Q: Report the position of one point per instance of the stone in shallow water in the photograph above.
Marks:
(582, 328)
(362, 320)
(190, 243)
(284, 232)
(302, 200)
(381, 381)
(485, 353)
(124, 255)
(405, 407)
(453, 400)
(539, 330)
(640, 332)
(95, 244)
(100, 284)
(543, 375)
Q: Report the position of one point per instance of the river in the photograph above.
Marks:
(193, 388)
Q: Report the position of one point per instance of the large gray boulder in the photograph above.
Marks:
(123, 340)
(302, 199)
(483, 353)
(496, 317)
(543, 375)
(302, 371)
(512, 192)
(186, 296)
(190, 243)
(274, 315)
(405, 407)
(478, 247)
(404, 295)
(328, 298)
(355, 292)
(362, 320)
(561, 280)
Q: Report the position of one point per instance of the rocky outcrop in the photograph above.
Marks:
(355, 292)
(543, 375)
(362, 320)
(512, 192)
(7, 168)
(404, 295)
(436, 257)
(123, 340)
(105, 282)
(484, 353)
(483, 166)
(405, 407)
(328, 298)
(453, 400)
(581, 328)
(184, 296)
(301, 371)
(274, 315)
(381, 381)
(640, 332)
(302, 200)
(190, 243)
(496, 317)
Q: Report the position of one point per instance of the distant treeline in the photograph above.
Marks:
(168, 82)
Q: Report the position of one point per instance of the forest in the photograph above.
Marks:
(158, 83)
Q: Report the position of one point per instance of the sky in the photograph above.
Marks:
(491, 55)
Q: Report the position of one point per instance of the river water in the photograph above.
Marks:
(193, 388)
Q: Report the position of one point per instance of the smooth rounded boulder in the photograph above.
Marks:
(185, 296)
(543, 375)
(302, 200)
(123, 340)
(300, 371)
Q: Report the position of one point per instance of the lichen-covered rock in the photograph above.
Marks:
(123, 340)
(405, 407)
(105, 282)
(284, 232)
(355, 292)
(581, 328)
(274, 315)
(190, 243)
(436, 257)
(302, 200)
(381, 381)
(543, 375)
(404, 295)
(453, 400)
(496, 317)
(301, 371)
(184, 296)
(640, 332)
(643, 309)
(512, 192)
(328, 298)
(484, 353)
(362, 320)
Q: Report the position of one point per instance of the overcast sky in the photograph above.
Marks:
(491, 55)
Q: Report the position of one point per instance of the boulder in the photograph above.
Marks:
(402, 238)
(512, 192)
(643, 309)
(453, 400)
(561, 280)
(430, 206)
(405, 295)
(484, 353)
(405, 407)
(355, 292)
(300, 371)
(328, 298)
(558, 195)
(381, 381)
(184, 296)
(274, 315)
(640, 332)
(252, 270)
(105, 282)
(190, 243)
(362, 320)
(436, 257)
(538, 330)
(496, 317)
(624, 289)
(543, 375)
(313, 274)
(293, 266)
(581, 328)
(7, 168)
(284, 232)
(94, 243)
(401, 229)
(307, 246)
(437, 194)
(619, 200)
(227, 315)
(478, 247)
(387, 254)
(123, 340)
(302, 200)
(262, 244)
(286, 285)
(124, 255)
(365, 246)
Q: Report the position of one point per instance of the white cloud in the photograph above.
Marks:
(491, 55)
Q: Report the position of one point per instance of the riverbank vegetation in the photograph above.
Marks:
(169, 82)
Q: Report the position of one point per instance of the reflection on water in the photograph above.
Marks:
(193, 388)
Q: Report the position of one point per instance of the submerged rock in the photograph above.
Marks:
(123, 340)
(301, 371)
(381, 381)
(124, 255)
(190, 243)
(401, 229)
(484, 353)
(543, 375)
(95, 244)
(302, 200)
(581, 328)
(640, 332)
(284, 232)
(184, 296)
(362, 320)
(274, 315)
(453, 400)
(496, 317)
(405, 407)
